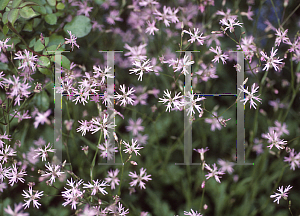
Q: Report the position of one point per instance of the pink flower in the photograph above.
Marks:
(273, 138)
(219, 55)
(72, 40)
(139, 178)
(135, 127)
(151, 28)
(54, 171)
(282, 37)
(113, 16)
(18, 89)
(43, 153)
(230, 23)
(165, 16)
(28, 60)
(249, 13)
(293, 159)
(214, 172)
(226, 166)
(214, 122)
(107, 150)
(16, 176)
(112, 178)
(6, 152)
(201, 152)
(84, 9)
(41, 118)
(18, 210)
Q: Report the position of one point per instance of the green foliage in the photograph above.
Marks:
(80, 26)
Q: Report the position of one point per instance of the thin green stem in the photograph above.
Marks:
(94, 160)
(290, 15)
(278, 20)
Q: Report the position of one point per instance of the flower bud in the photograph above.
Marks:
(42, 39)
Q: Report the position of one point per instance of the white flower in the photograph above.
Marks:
(32, 197)
(97, 186)
(124, 98)
(132, 148)
(175, 101)
(250, 95)
(54, 171)
(141, 68)
(191, 103)
(195, 36)
(230, 23)
(271, 61)
(43, 152)
(282, 194)
(182, 64)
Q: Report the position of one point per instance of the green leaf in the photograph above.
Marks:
(40, 9)
(36, 21)
(3, 4)
(48, 9)
(80, 26)
(51, 2)
(60, 6)
(38, 46)
(16, 3)
(45, 71)
(13, 16)
(44, 61)
(5, 29)
(56, 39)
(39, 2)
(3, 66)
(28, 4)
(4, 18)
(42, 101)
(51, 19)
(52, 48)
(32, 42)
(28, 12)
(28, 26)
(65, 62)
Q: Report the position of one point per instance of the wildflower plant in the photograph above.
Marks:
(81, 135)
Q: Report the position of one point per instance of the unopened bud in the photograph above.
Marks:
(85, 149)
(285, 3)
(133, 163)
(42, 39)
(203, 184)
